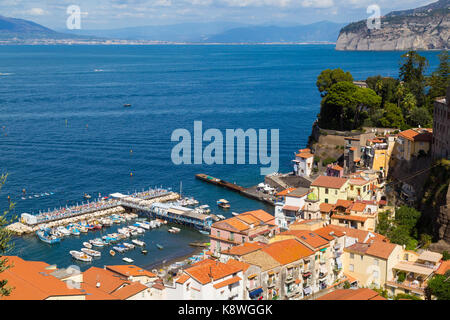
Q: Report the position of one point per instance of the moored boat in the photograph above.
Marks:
(97, 242)
(160, 247)
(224, 204)
(128, 245)
(87, 245)
(80, 256)
(138, 242)
(129, 260)
(47, 237)
(112, 252)
(92, 253)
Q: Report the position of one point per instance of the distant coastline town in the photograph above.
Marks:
(364, 214)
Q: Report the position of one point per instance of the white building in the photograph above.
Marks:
(303, 163)
(208, 280)
(289, 210)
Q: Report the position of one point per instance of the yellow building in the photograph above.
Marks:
(412, 142)
(330, 189)
(360, 189)
(371, 263)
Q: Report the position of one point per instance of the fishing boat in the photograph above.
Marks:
(90, 252)
(112, 252)
(125, 231)
(74, 231)
(221, 217)
(143, 251)
(235, 214)
(138, 242)
(80, 256)
(224, 204)
(204, 232)
(129, 260)
(176, 229)
(87, 196)
(160, 247)
(82, 228)
(127, 105)
(129, 245)
(97, 242)
(63, 231)
(47, 237)
(87, 245)
(144, 225)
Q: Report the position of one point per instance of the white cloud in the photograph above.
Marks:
(36, 12)
(317, 3)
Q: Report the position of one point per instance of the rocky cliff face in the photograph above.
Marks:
(426, 28)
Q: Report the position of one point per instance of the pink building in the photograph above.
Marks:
(334, 170)
(240, 229)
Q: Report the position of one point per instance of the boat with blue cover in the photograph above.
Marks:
(45, 236)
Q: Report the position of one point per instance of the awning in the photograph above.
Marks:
(306, 274)
(255, 293)
(307, 290)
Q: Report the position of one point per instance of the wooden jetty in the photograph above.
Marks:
(248, 192)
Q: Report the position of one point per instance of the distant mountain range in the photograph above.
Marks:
(424, 28)
(23, 31)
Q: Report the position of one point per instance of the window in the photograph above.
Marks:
(375, 274)
(218, 234)
(335, 192)
(352, 255)
(326, 190)
(351, 267)
(362, 257)
(375, 262)
(326, 200)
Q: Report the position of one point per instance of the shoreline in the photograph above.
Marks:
(164, 264)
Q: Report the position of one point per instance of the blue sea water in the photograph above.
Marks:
(63, 127)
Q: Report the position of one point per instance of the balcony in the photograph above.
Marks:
(322, 275)
(414, 285)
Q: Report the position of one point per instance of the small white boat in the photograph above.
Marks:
(235, 214)
(129, 260)
(97, 243)
(176, 229)
(87, 245)
(80, 256)
(203, 232)
(221, 217)
(62, 230)
(128, 245)
(112, 252)
(138, 242)
(92, 253)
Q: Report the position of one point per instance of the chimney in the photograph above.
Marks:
(97, 284)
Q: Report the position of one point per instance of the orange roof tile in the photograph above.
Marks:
(360, 235)
(108, 280)
(244, 248)
(207, 270)
(414, 135)
(325, 207)
(305, 155)
(182, 279)
(443, 268)
(358, 207)
(328, 233)
(287, 251)
(337, 167)
(308, 237)
(285, 192)
(329, 182)
(352, 294)
(93, 293)
(227, 282)
(343, 203)
(238, 264)
(377, 249)
(129, 290)
(30, 281)
(131, 271)
(349, 217)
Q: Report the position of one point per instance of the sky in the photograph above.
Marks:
(111, 14)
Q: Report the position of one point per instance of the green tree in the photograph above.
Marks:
(408, 103)
(420, 117)
(439, 286)
(407, 216)
(5, 242)
(440, 80)
(347, 106)
(329, 77)
(392, 118)
(412, 73)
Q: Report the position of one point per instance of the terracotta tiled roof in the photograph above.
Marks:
(232, 224)
(359, 181)
(131, 271)
(30, 282)
(129, 290)
(304, 155)
(285, 192)
(325, 207)
(291, 208)
(287, 251)
(443, 268)
(238, 264)
(244, 248)
(415, 135)
(352, 294)
(328, 233)
(227, 282)
(337, 167)
(358, 207)
(377, 249)
(343, 203)
(349, 217)
(182, 279)
(207, 270)
(309, 237)
(329, 182)
(93, 293)
(108, 280)
(360, 235)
